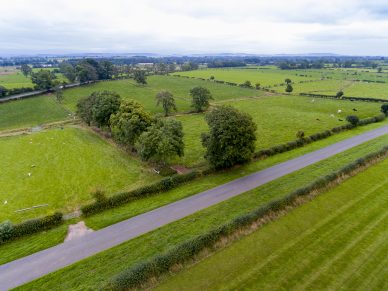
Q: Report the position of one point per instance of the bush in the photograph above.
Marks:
(384, 109)
(353, 120)
(135, 276)
(6, 231)
(300, 134)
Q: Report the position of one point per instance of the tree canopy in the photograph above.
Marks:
(98, 107)
(231, 139)
(162, 141)
(200, 98)
(43, 79)
(166, 99)
(129, 122)
(140, 77)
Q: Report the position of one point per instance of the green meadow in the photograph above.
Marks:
(59, 167)
(338, 241)
(145, 94)
(92, 273)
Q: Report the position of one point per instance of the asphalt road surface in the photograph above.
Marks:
(26, 269)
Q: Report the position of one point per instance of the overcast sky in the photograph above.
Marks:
(198, 26)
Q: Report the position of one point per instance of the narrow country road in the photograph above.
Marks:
(23, 270)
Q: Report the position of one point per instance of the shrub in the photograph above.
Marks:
(339, 94)
(384, 109)
(300, 134)
(6, 231)
(353, 120)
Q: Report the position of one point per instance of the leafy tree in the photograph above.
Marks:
(26, 70)
(201, 97)
(58, 89)
(289, 88)
(140, 77)
(171, 67)
(68, 71)
(353, 120)
(106, 70)
(43, 79)
(3, 91)
(246, 84)
(188, 66)
(384, 108)
(257, 86)
(211, 78)
(86, 72)
(287, 81)
(231, 139)
(162, 140)
(379, 70)
(167, 100)
(130, 121)
(339, 94)
(98, 107)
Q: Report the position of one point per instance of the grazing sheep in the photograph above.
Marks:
(339, 111)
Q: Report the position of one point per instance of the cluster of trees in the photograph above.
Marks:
(225, 63)
(88, 70)
(155, 139)
(289, 87)
(231, 139)
(303, 64)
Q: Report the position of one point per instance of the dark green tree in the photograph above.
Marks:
(289, 88)
(287, 81)
(384, 108)
(43, 79)
(353, 120)
(98, 107)
(58, 89)
(162, 141)
(166, 99)
(231, 139)
(130, 121)
(3, 91)
(339, 94)
(26, 70)
(201, 97)
(68, 71)
(257, 86)
(140, 77)
(86, 72)
(246, 84)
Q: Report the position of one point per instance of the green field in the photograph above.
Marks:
(30, 112)
(92, 272)
(180, 88)
(17, 249)
(338, 241)
(350, 88)
(11, 78)
(278, 119)
(65, 164)
(266, 77)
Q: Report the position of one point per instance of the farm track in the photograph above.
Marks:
(39, 264)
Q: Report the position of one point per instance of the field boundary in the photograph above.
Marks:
(147, 272)
(365, 99)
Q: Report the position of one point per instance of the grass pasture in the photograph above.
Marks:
(30, 112)
(94, 271)
(278, 119)
(65, 164)
(11, 78)
(337, 241)
(180, 88)
(266, 77)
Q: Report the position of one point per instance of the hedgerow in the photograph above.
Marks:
(9, 231)
(141, 272)
(314, 137)
(163, 185)
(368, 99)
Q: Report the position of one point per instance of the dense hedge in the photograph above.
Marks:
(141, 272)
(369, 99)
(121, 198)
(8, 231)
(314, 137)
